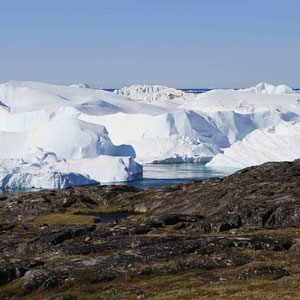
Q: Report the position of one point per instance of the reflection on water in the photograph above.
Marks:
(161, 175)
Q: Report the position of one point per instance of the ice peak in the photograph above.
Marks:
(80, 85)
(153, 92)
(266, 88)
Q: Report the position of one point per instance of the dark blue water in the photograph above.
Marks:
(194, 91)
(203, 90)
(162, 175)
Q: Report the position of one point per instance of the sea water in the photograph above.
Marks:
(162, 175)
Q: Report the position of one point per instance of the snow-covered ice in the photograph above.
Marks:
(275, 143)
(99, 136)
(153, 93)
(42, 169)
(266, 88)
(80, 85)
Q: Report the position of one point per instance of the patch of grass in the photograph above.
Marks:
(72, 215)
(166, 283)
(12, 290)
(284, 288)
(85, 277)
(287, 231)
(183, 286)
(64, 296)
(102, 208)
(62, 218)
(147, 194)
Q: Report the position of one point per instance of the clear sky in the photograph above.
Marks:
(180, 43)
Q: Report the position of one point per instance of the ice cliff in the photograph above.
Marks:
(97, 136)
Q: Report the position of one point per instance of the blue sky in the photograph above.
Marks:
(188, 43)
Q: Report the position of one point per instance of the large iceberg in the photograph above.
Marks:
(153, 93)
(68, 137)
(80, 85)
(175, 136)
(243, 102)
(42, 169)
(100, 136)
(275, 143)
(266, 88)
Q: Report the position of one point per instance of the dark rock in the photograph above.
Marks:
(265, 196)
(10, 270)
(176, 218)
(262, 271)
(44, 277)
(7, 273)
(64, 297)
(104, 277)
(261, 242)
(112, 291)
(174, 235)
(235, 258)
(54, 235)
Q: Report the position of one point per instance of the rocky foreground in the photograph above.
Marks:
(237, 237)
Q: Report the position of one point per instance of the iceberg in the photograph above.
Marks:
(186, 135)
(100, 136)
(243, 102)
(275, 143)
(80, 85)
(153, 92)
(69, 138)
(41, 169)
(266, 88)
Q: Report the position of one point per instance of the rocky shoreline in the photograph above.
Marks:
(200, 239)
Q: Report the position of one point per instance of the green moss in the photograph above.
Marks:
(62, 218)
(184, 285)
(12, 290)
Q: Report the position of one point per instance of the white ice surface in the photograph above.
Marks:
(243, 102)
(276, 143)
(86, 127)
(42, 169)
(153, 92)
(266, 88)
(80, 85)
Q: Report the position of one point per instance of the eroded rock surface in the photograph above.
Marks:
(265, 196)
(262, 271)
(202, 226)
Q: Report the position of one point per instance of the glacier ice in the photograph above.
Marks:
(41, 169)
(153, 92)
(100, 136)
(266, 88)
(275, 143)
(80, 85)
